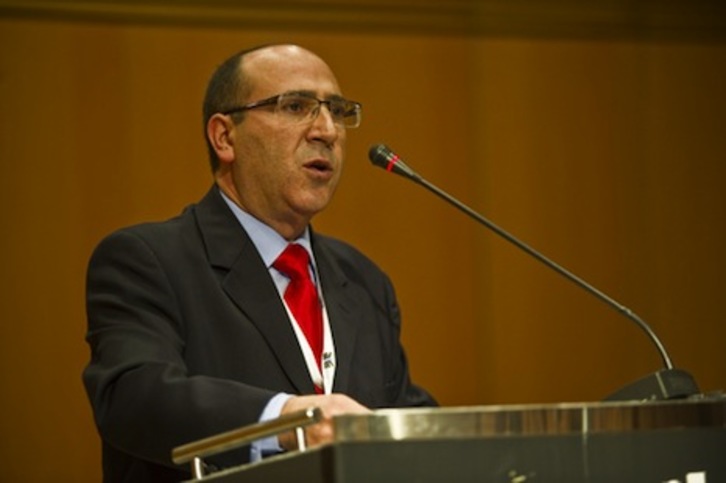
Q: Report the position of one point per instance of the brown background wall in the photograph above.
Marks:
(606, 152)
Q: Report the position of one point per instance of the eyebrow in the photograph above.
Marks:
(308, 93)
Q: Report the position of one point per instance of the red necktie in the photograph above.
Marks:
(301, 296)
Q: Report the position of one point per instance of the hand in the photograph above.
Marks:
(321, 432)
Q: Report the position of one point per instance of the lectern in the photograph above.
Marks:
(664, 441)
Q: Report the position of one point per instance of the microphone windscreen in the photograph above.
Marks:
(380, 155)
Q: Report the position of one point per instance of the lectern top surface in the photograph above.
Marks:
(529, 420)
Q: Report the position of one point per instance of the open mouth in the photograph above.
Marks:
(319, 165)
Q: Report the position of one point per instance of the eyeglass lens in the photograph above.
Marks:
(299, 107)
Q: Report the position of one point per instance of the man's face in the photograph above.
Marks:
(285, 173)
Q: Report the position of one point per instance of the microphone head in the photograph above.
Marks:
(383, 157)
(380, 155)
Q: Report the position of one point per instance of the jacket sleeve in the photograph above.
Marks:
(144, 399)
(405, 392)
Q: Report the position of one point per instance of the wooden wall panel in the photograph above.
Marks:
(609, 158)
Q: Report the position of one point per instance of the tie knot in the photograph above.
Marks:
(293, 262)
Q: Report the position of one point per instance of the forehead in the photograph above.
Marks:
(279, 69)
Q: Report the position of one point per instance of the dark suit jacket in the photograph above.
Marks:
(189, 337)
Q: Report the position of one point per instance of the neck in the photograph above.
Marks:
(290, 228)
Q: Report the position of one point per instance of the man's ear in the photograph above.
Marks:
(220, 132)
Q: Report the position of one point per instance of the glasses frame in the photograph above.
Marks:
(355, 107)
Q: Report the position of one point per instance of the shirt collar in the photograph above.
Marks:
(268, 242)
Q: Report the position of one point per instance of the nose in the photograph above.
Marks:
(323, 127)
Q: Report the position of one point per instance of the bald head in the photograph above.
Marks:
(268, 64)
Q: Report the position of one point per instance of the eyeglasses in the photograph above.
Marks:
(299, 107)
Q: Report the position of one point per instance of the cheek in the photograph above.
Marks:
(259, 156)
(342, 138)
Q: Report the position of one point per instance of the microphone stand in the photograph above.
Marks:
(667, 383)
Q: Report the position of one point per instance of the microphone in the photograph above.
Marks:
(667, 383)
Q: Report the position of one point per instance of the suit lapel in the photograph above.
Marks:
(249, 285)
(341, 307)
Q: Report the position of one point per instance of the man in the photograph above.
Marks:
(190, 326)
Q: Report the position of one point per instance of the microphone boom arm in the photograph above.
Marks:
(668, 383)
